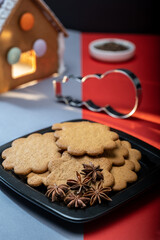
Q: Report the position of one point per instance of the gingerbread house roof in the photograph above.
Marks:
(7, 6)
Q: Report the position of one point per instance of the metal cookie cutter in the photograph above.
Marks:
(65, 90)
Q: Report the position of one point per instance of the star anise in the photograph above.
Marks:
(78, 184)
(57, 192)
(96, 194)
(92, 171)
(77, 201)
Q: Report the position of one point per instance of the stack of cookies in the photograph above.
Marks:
(75, 159)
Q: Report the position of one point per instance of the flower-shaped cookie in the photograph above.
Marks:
(123, 174)
(64, 168)
(30, 154)
(80, 138)
(118, 154)
(134, 155)
(36, 179)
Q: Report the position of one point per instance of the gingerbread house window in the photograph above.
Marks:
(26, 65)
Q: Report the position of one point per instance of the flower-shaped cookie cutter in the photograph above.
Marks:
(68, 98)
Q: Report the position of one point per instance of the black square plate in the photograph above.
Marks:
(147, 177)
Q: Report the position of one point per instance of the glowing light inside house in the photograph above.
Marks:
(25, 66)
(6, 35)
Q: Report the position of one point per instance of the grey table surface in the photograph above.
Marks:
(23, 111)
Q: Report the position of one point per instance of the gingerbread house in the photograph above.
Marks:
(31, 42)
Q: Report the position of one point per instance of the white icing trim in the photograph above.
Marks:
(5, 11)
(61, 49)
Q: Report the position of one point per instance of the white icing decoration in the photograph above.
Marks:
(5, 10)
(4, 13)
(8, 4)
(61, 48)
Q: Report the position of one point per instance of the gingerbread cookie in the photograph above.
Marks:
(37, 179)
(118, 154)
(30, 154)
(80, 138)
(123, 175)
(79, 161)
(65, 167)
(134, 155)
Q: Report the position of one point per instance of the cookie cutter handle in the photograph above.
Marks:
(137, 88)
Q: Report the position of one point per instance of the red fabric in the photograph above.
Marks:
(145, 123)
(137, 220)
